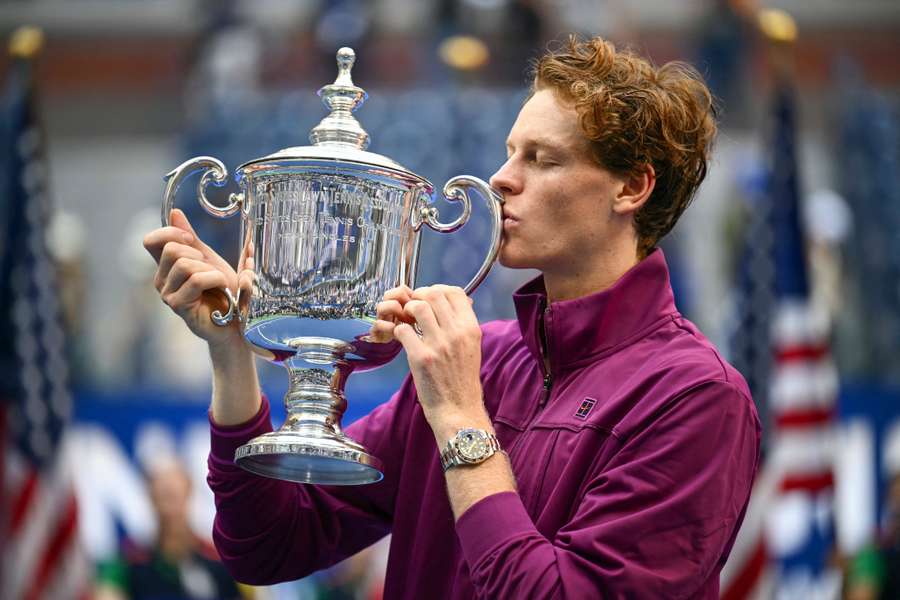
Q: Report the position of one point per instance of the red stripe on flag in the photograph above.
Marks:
(60, 541)
(804, 418)
(745, 582)
(22, 501)
(798, 353)
(809, 483)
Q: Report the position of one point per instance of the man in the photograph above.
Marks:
(178, 564)
(628, 445)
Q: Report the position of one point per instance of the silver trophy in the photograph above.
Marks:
(326, 230)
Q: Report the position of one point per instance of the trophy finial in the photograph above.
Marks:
(345, 59)
(342, 97)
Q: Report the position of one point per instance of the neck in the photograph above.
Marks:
(175, 541)
(587, 278)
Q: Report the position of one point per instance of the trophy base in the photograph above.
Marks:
(309, 458)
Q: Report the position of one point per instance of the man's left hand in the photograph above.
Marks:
(446, 365)
(446, 360)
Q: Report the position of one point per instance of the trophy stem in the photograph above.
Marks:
(310, 446)
(315, 399)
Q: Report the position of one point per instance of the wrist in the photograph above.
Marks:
(469, 448)
(230, 353)
(446, 426)
(236, 393)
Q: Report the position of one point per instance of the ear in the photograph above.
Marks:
(635, 191)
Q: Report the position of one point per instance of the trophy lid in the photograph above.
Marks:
(339, 137)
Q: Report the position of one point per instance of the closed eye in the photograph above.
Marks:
(537, 154)
(542, 160)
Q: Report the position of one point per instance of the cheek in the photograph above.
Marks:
(562, 209)
(576, 222)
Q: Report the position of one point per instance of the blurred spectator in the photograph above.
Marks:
(869, 142)
(354, 579)
(151, 348)
(724, 38)
(179, 565)
(874, 574)
(829, 222)
(66, 235)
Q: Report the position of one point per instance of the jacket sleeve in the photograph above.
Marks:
(654, 522)
(267, 530)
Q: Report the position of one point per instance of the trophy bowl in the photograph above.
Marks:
(326, 230)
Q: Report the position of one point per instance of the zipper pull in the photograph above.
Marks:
(548, 384)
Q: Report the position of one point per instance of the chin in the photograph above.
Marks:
(514, 261)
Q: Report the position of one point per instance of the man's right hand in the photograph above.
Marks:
(189, 278)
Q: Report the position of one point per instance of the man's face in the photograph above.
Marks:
(558, 200)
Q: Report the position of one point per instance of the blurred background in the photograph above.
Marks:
(789, 258)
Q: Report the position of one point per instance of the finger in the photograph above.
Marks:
(455, 295)
(172, 252)
(245, 282)
(424, 317)
(441, 308)
(460, 301)
(180, 220)
(156, 240)
(382, 331)
(181, 271)
(390, 310)
(401, 294)
(193, 288)
(409, 339)
(246, 259)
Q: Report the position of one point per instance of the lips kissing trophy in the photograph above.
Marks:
(326, 230)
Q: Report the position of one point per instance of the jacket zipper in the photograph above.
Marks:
(548, 388)
(548, 376)
(545, 393)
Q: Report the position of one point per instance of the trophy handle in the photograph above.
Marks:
(457, 189)
(213, 172)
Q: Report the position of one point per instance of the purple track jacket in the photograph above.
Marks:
(634, 457)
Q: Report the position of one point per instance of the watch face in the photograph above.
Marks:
(472, 445)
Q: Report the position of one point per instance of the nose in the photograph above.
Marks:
(505, 179)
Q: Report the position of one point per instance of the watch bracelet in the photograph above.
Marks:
(448, 453)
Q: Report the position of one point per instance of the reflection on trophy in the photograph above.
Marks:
(326, 230)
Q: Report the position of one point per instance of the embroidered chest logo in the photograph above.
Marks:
(585, 409)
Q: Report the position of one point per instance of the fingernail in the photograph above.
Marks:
(187, 238)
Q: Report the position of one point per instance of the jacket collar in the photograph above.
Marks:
(581, 329)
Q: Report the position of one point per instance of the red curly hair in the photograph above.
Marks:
(635, 114)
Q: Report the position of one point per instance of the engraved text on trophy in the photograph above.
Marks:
(328, 247)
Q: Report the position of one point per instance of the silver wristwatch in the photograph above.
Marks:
(469, 447)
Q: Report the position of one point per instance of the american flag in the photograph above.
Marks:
(786, 542)
(41, 557)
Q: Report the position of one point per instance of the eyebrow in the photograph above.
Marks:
(542, 143)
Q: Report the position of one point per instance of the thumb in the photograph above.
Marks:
(180, 220)
(407, 336)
